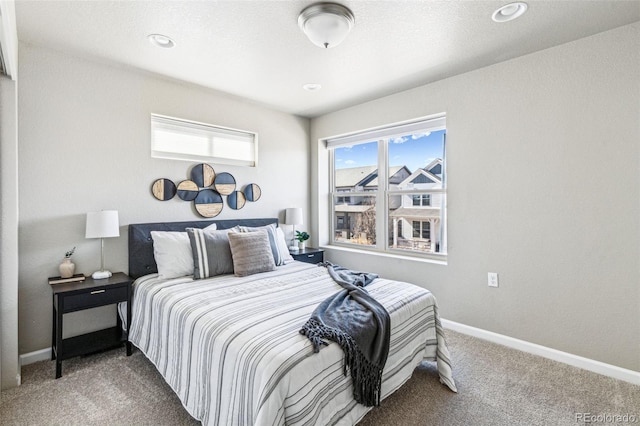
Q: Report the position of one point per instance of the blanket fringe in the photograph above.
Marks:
(366, 377)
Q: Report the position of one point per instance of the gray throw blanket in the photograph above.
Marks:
(360, 325)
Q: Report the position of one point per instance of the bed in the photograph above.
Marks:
(230, 346)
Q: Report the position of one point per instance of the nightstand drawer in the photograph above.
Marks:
(309, 256)
(95, 297)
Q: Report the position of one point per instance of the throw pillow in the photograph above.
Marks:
(251, 253)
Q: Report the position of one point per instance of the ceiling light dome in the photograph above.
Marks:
(326, 24)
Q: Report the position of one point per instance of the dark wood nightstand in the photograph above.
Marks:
(309, 255)
(90, 293)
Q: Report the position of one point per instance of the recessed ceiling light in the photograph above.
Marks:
(161, 40)
(312, 87)
(509, 12)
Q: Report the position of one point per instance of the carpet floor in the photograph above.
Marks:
(496, 386)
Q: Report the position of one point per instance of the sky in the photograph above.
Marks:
(414, 151)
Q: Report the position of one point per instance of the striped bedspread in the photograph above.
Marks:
(231, 349)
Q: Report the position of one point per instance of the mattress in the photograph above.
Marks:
(231, 350)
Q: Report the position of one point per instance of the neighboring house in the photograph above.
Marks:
(417, 222)
(352, 220)
(417, 218)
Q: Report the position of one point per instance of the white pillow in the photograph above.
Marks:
(173, 254)
(283, 247)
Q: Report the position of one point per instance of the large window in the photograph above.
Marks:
(391, 182)
(178, 139)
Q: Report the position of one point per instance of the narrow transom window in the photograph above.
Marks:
(179, 139)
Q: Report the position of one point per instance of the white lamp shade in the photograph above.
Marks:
(293, 216)
(102, 224)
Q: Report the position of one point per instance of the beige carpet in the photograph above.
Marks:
(496, 386)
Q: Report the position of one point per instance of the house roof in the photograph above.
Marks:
(435, 179)
(362, 176)
(416, 213)
(352, 176)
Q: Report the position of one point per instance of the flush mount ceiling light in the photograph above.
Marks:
(509, 12)
(326, 24)
(161, 41)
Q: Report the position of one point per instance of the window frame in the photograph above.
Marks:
(190, 127)
(383, 193)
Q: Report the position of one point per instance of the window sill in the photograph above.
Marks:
(439, 261)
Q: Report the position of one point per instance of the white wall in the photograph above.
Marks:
(543, 169)
(84, 146)
(9, 365)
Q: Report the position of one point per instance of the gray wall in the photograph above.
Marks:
(9, 365)
(544, 188)
(84, 146)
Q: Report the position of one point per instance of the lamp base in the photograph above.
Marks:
(100, 275)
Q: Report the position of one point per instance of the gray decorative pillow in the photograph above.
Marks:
(279, 248)
(211, 252)
(251, 253)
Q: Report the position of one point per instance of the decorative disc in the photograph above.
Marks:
(208, 203)
(252, 192)
(203, 175)
(187, 190)
(236, 200)
(163, 189)
(225, 183)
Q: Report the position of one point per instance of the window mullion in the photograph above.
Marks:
(381, 199)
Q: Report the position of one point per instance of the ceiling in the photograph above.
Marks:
(255, 50)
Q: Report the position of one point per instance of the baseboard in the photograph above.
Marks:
(35, 356)
(543, 351)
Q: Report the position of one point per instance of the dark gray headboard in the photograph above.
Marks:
(141, 260)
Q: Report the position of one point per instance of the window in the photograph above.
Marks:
(391, 182)
(421, 229)
(422, 200)
(178, 139)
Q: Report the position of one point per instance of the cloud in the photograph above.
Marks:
(350, 162)
(420, 135)
(402, 139)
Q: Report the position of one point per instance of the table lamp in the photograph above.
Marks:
(102, 224)
(293, 216)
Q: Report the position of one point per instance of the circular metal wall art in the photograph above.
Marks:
(252, 192)
(163, 189)
(203, 175)
(225, 183)
(208, 203)
(236, 200)
(187, 190)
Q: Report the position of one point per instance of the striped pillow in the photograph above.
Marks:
(251, 253)
(211, 252)
(277, 243)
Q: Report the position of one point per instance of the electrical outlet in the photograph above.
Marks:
(493, 279)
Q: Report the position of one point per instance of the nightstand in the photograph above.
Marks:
(87, 294)
(309, 255)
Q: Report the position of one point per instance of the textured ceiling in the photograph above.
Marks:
(254, 49)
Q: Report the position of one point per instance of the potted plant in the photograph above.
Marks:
(301, 237)
(67, 267)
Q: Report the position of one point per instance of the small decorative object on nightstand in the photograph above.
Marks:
(85, 294)
(302, 237)
(309, 255)
(67, 267)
